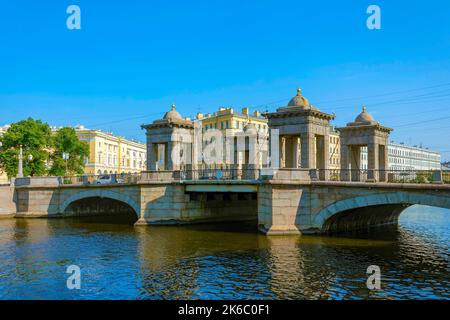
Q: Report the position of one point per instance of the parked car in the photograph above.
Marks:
(104, 179)
(109, 179)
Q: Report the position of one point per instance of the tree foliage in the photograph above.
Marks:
(36, 140)
(66, 141)
(45, 149)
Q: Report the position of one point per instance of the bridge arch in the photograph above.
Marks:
(98, 193)
(394, 202)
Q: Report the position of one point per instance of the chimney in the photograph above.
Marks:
(245, 111)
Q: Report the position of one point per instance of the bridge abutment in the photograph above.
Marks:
(282, 209)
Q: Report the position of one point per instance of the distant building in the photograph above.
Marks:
(111, 154)
(445, 166)
(335, 152)
(227, 120)
(403, 157)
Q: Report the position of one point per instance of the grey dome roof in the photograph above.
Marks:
(299, 101)
(364, 117)
(172, 114)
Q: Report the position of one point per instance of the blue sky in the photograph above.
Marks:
(132, 59)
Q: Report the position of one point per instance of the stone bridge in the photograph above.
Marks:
(276, 206)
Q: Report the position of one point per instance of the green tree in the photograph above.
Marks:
(35, 138)
(66, 141)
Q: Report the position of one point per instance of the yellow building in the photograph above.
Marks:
(228, 120)
(112, 154)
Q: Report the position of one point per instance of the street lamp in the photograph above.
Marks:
(66, 156)
(20, 168)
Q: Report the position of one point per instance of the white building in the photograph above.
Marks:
(403, 157)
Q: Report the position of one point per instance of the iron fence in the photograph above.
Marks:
(250, 174)
(393, 176)
(220, 174)
(102, 179)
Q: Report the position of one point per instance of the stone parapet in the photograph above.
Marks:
(164, 176)
(37, 182)
(289, 174)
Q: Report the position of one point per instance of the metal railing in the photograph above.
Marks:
(102, 179)
(220, 174)
(392, 176)
(251, 174)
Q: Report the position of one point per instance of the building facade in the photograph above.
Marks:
(228, 118)
(408, 158)
(111, 154)
(335, 151)
(238, 124)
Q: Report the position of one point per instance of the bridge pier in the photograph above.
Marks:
(278, 209)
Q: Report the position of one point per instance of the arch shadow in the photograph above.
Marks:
(104, 194)
(375, 209)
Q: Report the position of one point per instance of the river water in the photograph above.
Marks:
(225, 261)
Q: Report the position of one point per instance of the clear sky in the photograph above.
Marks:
(132, 59)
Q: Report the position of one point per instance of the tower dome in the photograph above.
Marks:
(364, 118)
(172, 114)
(299, 101)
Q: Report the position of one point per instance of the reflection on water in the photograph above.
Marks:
(230, 261)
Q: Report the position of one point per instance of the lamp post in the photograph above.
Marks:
(66, 156)
(20, 168)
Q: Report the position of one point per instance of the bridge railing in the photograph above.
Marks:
(102, 179)
(251, 174)
(221, 174)
(391, 175)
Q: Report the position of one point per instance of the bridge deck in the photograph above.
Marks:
(247, 186)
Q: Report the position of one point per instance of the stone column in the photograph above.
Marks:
(355, 162)
(167, 156)
(174, 155)
(326, 155)
(295, 142)
(288, 152)
(383, 163)
(372, 161)
(282, 152)
(345, 163)
(152, 150)
(308, 150)
(321, 158)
